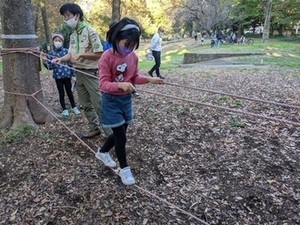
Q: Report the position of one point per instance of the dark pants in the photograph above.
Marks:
(117, 139)
(62, 84)
(156, 56)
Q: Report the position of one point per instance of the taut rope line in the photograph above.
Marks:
(137, 186)
(235, 96)
(227, 109)
(72, 68)
(29, 50)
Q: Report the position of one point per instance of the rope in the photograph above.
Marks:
(28, 95)
(72, 68)
(227, 109)
(195, 88)
(7, 51)
(51, 113)
(235, 96)
(28, 50)
(173, 206)
(137, 186)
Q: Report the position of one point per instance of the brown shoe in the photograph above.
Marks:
(92, 134)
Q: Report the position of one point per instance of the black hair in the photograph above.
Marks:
(111, 24)
(116, 34)
(72, 8)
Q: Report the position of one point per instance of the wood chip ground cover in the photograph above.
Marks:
(221, 167)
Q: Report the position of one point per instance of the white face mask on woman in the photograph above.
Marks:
(72, 22)
(57, 44)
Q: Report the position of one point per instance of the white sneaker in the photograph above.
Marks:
(75, 111)
(106, 159)
(126, 176)
(65, 112)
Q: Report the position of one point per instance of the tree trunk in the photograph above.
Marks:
(116, 10)
(266, 30)
(45, 22)
(20, 70)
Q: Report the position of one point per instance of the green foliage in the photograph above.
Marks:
(15, 135)
(235, 123)
(278, 52)
(224, 99)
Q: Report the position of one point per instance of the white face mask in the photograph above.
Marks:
(72, 22)
(58, 44)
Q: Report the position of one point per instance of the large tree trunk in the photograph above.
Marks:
(20, 70)
(116, 10)
(266, 31)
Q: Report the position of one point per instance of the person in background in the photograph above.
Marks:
(61, 73)
(156, 47)
(119, 72)
(84, 52)
(219, 37)
(202, 39)
(233, 37)
(195, 36)
(213, 40)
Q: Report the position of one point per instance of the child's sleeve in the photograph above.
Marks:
(48, 63)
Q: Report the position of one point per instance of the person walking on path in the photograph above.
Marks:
(156, 47)
(118, 68)
(195, 36)
(84, 52)
(61, 73)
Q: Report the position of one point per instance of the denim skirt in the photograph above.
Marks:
(116, 110)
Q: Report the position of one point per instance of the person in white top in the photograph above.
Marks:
(156, 47)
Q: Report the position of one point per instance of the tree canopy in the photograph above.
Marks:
(176, 16)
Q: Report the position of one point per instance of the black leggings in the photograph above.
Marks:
(117, 139)
(156, 55)
(60, 84)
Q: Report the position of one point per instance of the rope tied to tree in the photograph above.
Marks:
(240, 112)
(72, 68)
(20, 94)
(141, 189)
(28, 50)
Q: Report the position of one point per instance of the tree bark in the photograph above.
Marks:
(20, 70)
(266, 31)
(45, 22)
(116, 10)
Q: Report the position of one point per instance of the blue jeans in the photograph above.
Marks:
(116, 110)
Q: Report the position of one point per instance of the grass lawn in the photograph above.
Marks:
(279, 52)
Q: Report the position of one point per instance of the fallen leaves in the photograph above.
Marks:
(191, 156)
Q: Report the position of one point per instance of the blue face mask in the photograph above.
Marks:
(124, 51)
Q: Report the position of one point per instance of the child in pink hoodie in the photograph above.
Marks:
(118, 68)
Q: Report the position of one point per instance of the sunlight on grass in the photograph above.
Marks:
(171, 52)
(183, 51)
(292, 55)
(275, 54)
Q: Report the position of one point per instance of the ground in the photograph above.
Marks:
(188, 159)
